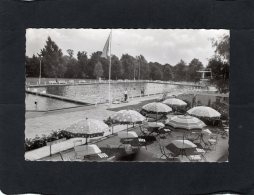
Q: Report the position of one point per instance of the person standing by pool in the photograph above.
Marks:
(125, 95)
(36, 104)
(143, 92)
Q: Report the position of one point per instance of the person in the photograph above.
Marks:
(35, 102)
(125, 95)
(142, 92)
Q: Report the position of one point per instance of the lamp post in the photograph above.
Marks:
(40, 69)
(139, 68)
(134, 71)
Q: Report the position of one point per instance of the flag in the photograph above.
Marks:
(105, 52)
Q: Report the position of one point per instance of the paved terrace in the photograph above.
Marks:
(39, 123)
(220, 154)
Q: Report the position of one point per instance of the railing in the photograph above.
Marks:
(48, 82)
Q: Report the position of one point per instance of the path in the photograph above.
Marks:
(39, 123)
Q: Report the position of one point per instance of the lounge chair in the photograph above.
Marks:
(195, 158)
(167, 155)
(112, 158)
(103, 155)
(62, 82)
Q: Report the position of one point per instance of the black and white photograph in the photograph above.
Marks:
(114, 95)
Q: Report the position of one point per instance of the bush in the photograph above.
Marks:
(38, 142)
(222, 108)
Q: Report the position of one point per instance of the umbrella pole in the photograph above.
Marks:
(183, 144)
(156, 117)
(86, 141)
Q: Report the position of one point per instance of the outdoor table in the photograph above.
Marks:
(155, 127)
(86, 150)
(200, 135)
(127, 134)
(182, 145)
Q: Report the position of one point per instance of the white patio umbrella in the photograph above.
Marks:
(204, 111)
(186, 123)
(127, 117)
(174, 102)
(156, 108)
(88, 128)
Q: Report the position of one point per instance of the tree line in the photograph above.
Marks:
(56, 65)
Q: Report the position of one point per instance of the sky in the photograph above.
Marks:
(156, 45)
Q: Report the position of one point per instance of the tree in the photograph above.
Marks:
(128, 63)
(168, 72)
(219, 64)
(220, 74)
(71, 67)
(222, 48)
(98, 71)
(144, 68)
(156, 72)
(52, 59)
(95, 57)
(194, 66)
(180, 71)
(82, 64)
(70, 52)
(32, 66)
(116, 68)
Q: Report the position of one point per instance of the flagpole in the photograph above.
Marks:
(109, 76)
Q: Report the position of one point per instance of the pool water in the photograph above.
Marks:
(99, 92)
(45, 104)
(95, 93)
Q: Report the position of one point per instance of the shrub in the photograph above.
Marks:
(38, 142)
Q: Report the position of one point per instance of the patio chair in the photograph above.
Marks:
(210, 143)
(168, 131)
(195, 158)
(144, 131)
(167, 155)
(102, 155)
(225, 133)
(213, 141)
(142, 142)
(201, 152)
